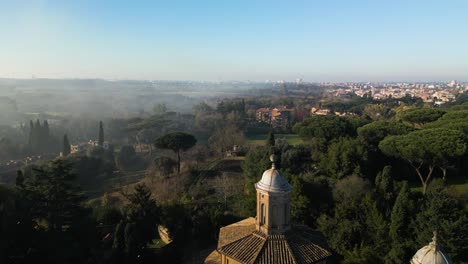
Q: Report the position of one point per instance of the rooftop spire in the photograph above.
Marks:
(434, 239)
(273, 159)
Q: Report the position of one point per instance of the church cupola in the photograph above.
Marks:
(273, 202)
(431, 254)
(270, 237)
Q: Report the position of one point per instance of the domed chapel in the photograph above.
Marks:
(270, 237)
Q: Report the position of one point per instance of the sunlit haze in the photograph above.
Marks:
(235, 40)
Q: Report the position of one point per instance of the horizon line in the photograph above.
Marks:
(233, 80)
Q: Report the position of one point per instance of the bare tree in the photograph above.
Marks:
(224, 138)
(227, 186)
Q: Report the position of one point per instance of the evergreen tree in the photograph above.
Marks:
(255, 163)
(31, 135)
(270, 140)
(19, 178)
(133, 233)
(443, 213)
(375, 224)
(119, 236)
(399, 227)
(55, 199)
(131, 239)
(66, 146)
(356, 226)
(385, 190)
(45, 136)
(45, 126)
(384, 181)
(426, 149)
(242, 108)
(361, 255)
(177, 142)
(37, 137)
(101, 134)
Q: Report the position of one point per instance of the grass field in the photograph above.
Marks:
(259, 140)
(459, 184)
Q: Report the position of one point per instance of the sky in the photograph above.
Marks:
(316, 40)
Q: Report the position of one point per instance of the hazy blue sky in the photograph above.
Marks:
(323, 40)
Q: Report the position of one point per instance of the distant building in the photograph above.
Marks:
(453, 83)
(94, 143)
(278, 117)
(82, 147)
(425, 97)
(263, 115)
(78, 148)
(315, 111)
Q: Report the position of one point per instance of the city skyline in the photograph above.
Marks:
(212, 41)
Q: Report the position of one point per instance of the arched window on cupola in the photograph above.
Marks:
(262, 214)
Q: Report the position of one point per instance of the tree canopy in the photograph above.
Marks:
(375, 132)
(457, 120)
(176, 141)
(327, 127)
(429, 147)
(377, 112)
(421, 116)
(55, 196)
(344, 157)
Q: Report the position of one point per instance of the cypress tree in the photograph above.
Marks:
(66, 146)
(119, 236)
(384, 181)
(385, 188)
(19, 178)
(37, 137)
(401, 213)
(131, 239)
(445, 214)
(242, 108)
(31, 135)
(38, 126)
(400, 221)
(46, 131)
(45, 136)
(271, 139)
(101, 134)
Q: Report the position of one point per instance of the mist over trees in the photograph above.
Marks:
(125, 181)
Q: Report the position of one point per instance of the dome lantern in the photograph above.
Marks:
(273, 201)
(272, 180)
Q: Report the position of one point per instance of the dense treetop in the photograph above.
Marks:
(327, 127)
(421, 116)
(376, 131)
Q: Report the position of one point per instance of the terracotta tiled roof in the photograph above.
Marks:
(276, 250)
(308, 246)
(264, 110)
(297, 246)
(236, 231)
(246, 249)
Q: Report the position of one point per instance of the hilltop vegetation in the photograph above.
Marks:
(375, 177)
